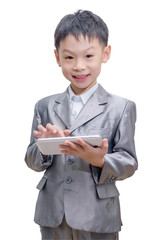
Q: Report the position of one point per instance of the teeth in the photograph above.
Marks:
(81, 76)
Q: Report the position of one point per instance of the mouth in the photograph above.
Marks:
(81, 78)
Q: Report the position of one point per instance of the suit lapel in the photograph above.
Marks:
(62, 108)
(94, 107)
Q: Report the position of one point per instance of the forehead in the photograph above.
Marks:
(81, 43)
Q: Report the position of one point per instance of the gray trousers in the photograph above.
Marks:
(64, 232)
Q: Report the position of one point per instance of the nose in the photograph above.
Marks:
(79, 65)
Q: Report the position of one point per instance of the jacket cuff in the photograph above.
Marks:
(101, 175)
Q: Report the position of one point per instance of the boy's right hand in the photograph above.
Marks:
(50, 131)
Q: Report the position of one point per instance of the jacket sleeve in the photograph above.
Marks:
(121, 163)
(33, 157)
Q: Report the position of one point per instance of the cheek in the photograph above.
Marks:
(66, 72)
(65, 68)
(96, 69)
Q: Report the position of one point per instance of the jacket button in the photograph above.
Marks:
(70, 161)
(68, 180)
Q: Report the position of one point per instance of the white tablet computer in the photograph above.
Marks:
(50, 146)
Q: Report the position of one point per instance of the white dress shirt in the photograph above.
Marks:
(77, 102)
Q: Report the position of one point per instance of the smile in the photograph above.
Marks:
(81, 78)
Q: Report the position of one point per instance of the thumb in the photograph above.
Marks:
(66, 132)
(105, 145)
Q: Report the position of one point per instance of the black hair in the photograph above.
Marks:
(81, 22)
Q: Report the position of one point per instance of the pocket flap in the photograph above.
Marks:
(42, 182)
(107, 190)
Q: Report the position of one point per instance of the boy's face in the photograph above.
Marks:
(81, 61)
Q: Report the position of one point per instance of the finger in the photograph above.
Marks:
(70, 145)
(60, 132)
(42, 129)
(66, 132)
(69, 151)
(50, 128)
(83, 144)
(41, 132)
(66, 152)
(104, 145)
(75, 145)
(65, 147)
(55, 130)
(37, 134)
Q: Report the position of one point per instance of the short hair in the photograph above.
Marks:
(81, 22)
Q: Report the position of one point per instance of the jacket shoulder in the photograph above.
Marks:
(45, 102)
(116, 104)
(112, 98)
(121, 106)
(117, 100)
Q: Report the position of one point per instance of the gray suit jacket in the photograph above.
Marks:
(87, 195)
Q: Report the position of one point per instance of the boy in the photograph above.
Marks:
(78, 198)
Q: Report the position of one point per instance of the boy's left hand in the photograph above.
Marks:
(93, 155)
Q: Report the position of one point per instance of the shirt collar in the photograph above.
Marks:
(85, 96)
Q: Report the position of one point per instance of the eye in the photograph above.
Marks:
(89, 56)
(69, 57)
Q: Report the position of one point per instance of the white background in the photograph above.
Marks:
(28, 72)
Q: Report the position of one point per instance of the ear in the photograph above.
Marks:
(106, 53)
(57, 58)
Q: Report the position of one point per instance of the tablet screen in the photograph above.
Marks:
(50, 146)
